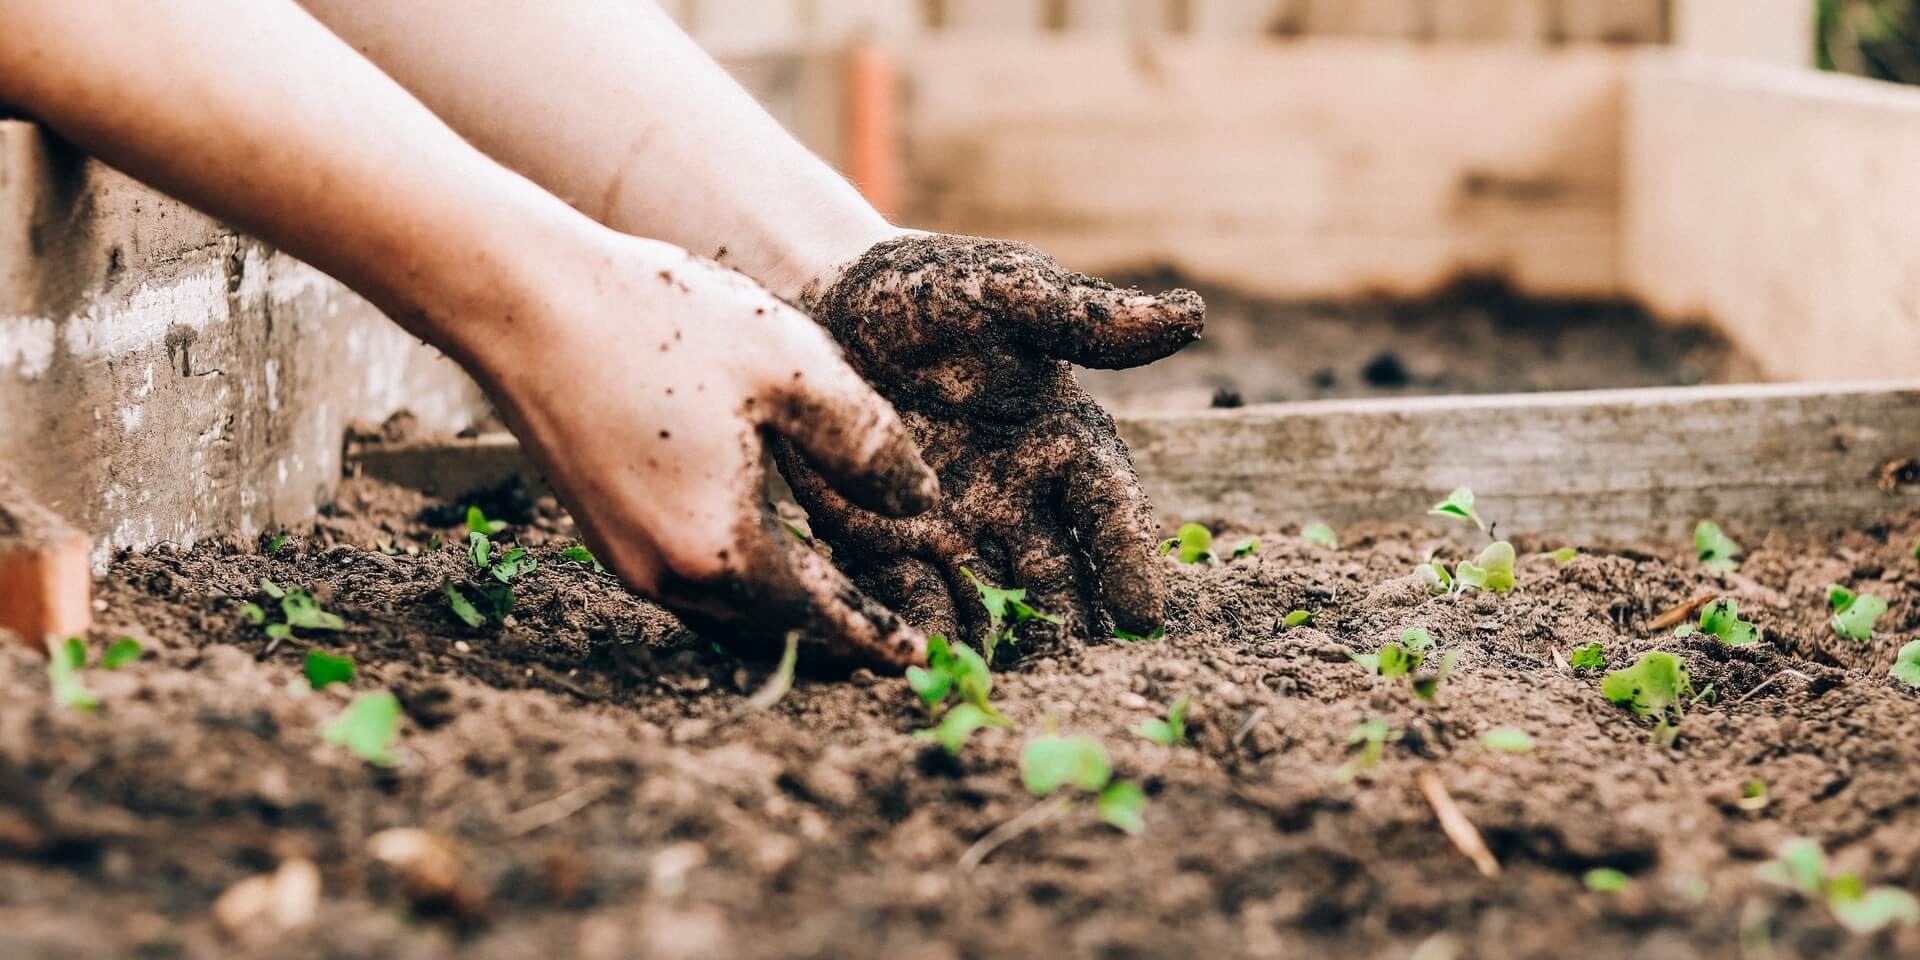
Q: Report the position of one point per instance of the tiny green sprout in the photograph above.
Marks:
(1123, 804)
(953, 668)
(477, 522)
(1753, 795)
(323, 668)
(1802, 866)
(1656, 686)
(1854, 615)
(271, 589)
(1492, 571)
(1605, 880)
(121, 652)
(1458, 505)
(579, 554)
(64, 664)
(1397, 661)
(1050, 762)
(1435, 575)
(781, 681)
(959, 724)
(386, 547)
(1373, 737)
(367, 727)
(1006, 611)
(1563, 555)
(1320, 535)
(1296, 618)
(1247, 548)
(304, 613)
(434, 543)
(479, 550)
(1192, 543)
(1590, 657)
(1716, 550)
(799, 532)
(1416, 638)
(461, 606)
(1126, 637)
(253, 613)
(1428, 686)
(1721, 619)
(1906, 665)
(275, 545)
(1169, 732)
(1507, 740)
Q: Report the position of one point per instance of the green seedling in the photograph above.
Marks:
(1400, 657)
(1906, 665)
(1492, 571)
(1192, 543)
(1435, 575)
(1169, 732)
(1656, 686)
(1006, 611)
(477, 522)
(1721, 619)
(1372, 737)
(1605, 880)
(1051, 762)
(781, 681)
(488, 593)
(298, 611)
(1564, 555)
(278, 543)
(1854, 614)
(1590, 657)
(956, 726)
(1247, 548)
(954, 669)
(323, 668)
(1427, 686)
(1507, 740)
(367, 727)
(64, 663)
(1320, 535)
(121, 652)
(386, 547)
(1753, 796)
(579, 554)
(1802, 866)
(1716, 550)
(1295, 618)
(1126, 637)
(1458, 505)
(799, 533)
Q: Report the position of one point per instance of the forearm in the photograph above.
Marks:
(254, 112)
(608, 104)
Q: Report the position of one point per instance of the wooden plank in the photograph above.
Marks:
(1331, 168)
(1629, 464)
(1778, 203)
(1779, 32)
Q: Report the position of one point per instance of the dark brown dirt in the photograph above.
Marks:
(594, 766)
(1476, 337)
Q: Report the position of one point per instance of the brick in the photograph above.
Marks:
(46, 581)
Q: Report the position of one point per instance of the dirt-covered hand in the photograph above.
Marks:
(972, 340)
(645, 384)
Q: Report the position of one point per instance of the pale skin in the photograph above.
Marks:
(545, 246)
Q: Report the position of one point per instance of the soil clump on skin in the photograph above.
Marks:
(590, 777)
(1473, 337)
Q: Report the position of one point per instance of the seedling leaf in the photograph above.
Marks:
(63, 676)
(1050, 762)
(1906, 665)
(122, 652)
(957, 726)
(1428, 686)
(1590, 657)
(1296, 618)
(1436, 577)
(1721, 619)
(75, 650)
(1193, 543)
(479, 550)
(1854, 615)
(1122, 804)
(271, 589)
(274, 546)
(1867, 912)
(931, 685)
(1492, 571)
(1397, 661)
(324, 668)
(1507, 740)
(462, 607)
(1172, 730)
(1564, 555)
(1416, 639)
(1657, 684)
(1458, 505)
(1716, 550)
(579, 554)
(1247, 548)
(1006, 610)
(279, 631)
(1320, 535)
(477, 522)
(1605, 880)
(253, 613)
(1373, 737)
(367, 727)
(1123, 635)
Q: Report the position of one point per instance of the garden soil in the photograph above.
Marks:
(592, 783)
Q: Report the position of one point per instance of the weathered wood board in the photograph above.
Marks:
(1628, 464)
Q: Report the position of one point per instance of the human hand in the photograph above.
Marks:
(971, 340)
(643, 382)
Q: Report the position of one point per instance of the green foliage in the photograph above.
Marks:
(1656, 686)
(1458, 505)
(1006, 611)
(1716, 550)
(1854, 615)
(1427, 686)
(324, 668)
(1492, 571)
(956, 726)
(1435, 574)
(579, 554)
(1169, 732)
(1721, 619)
(1563, 555)
(1605, 880)
(477, 522)
(1050, 762)
(1802, 866)
(277, 544)
(1192, 543)
(1126, 637)
(121, 652)
(367, 727)
(1400, 658)
(1295, 618)
(1372, 737)
(1590, 657)
(954, 669)
(1906, 665)
(1416, 638)
(1753, 795)
(64, 663)
(462, 607)
(298, 611)
(1247, 548)
(1320, 535)
(1507, 740)
(488, 593)
(1397, 661)
(1123, 804)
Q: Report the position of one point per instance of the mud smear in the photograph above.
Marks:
(592, 762)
